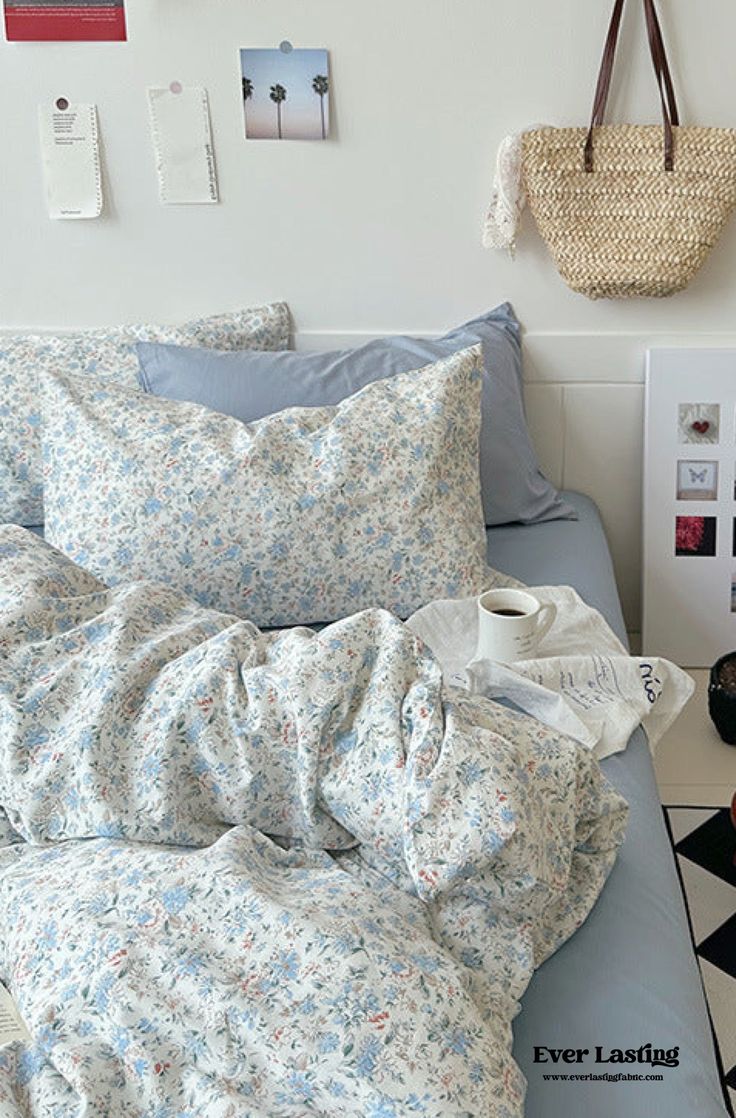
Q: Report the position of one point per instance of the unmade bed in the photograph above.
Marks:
(343, 864)
(628, 976)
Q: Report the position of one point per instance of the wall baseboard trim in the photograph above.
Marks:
(550, 357)
(553, 357)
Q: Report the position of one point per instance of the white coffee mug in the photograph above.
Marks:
(511, 623)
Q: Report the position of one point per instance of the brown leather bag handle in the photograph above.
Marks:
(663, 70)
(659, 59)
(670, 115)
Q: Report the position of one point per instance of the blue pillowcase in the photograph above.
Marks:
(248, 385)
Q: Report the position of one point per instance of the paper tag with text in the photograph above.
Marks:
(71, 159)
(12, 1026)
(182, 141)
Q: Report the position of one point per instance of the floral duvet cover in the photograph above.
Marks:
(247, 874)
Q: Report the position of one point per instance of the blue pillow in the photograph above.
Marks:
(249, 385)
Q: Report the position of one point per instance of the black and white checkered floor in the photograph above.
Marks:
(704, 842)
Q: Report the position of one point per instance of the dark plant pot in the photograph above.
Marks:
(722, 700)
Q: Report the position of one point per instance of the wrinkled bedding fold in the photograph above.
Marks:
(266, 874)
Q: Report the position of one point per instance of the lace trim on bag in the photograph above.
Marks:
(509, 197)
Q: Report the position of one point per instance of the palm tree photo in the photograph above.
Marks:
(270, 77)
(278, 96)
(321, 87)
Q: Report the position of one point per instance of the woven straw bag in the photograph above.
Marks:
(629, 209)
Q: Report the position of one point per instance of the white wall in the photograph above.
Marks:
(377, 229)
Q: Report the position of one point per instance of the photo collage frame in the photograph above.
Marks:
(689, 568)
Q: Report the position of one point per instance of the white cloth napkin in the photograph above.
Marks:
(583, 683)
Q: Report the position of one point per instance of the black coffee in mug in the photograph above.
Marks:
(509, 612)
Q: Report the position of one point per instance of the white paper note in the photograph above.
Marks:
(182, 141)
(11, 1023)
(71, 159)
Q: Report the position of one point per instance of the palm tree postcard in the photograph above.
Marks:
(285, 94)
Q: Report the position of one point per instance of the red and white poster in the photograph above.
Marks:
(35, 21)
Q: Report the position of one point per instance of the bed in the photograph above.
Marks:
(627, 978)
(629, 975)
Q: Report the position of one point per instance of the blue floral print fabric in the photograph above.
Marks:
(298, 873)
(304, 516)
(106, 355)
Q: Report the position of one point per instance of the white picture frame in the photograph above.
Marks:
(697, 480)
(689, 505)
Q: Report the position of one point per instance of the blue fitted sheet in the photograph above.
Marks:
(629, 975)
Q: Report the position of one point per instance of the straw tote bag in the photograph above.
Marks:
(630, 209)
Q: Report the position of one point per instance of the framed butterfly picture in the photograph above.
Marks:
(689, 561)
(697, 481)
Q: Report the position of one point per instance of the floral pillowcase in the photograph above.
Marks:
(301, 517)
(107, 354)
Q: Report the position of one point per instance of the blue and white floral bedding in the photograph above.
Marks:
(268, 875)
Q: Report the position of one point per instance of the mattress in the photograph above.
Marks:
(628, 977)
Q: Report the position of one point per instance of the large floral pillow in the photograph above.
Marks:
(109, 355)
(301, 517)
